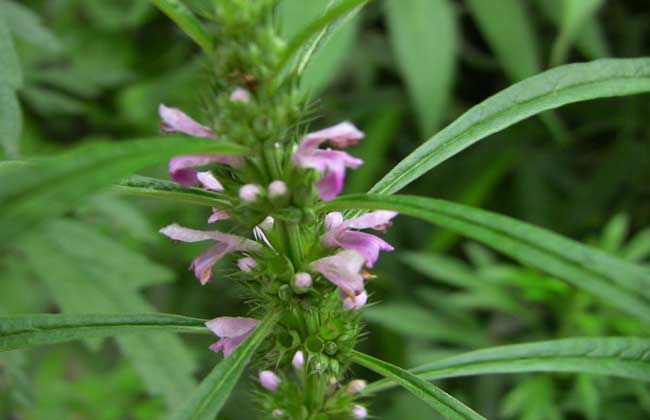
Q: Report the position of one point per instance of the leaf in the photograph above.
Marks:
(10, 121)
(574, 14)
(624, 357)
(208, 398)
(25, 331)
(423, 36)
(548, 90)
(185, 19)
(157, 188)
(509, 31)
(28, 26)
(10, 71)
(446, 405)
(59, 184)
(327, 61)
(313, 34)
(616, 282)
(96, 285)
(418, 322)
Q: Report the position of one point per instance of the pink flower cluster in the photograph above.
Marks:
(356, 250)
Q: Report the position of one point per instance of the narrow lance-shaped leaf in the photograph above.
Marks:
(10, 71)
(423, 36)
(25, 331)
(206, 400)
(60, 183)
(624, 357)
(158, 188)
(575, 13)
(548, 90)
(27, 25)
(185, 19)
(616, 282)
(10, 121)
(316, 31)
(446, 405)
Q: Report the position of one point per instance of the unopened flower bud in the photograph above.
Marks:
(249, 192)
(269, 380)
(277, 413)
(359, 412)
(246, 264)
(298, 360)
(267, 224)
(356, 386)
(302, 280)
(240, 95)
(277, 189)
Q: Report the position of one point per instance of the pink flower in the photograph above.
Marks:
(208, 181)
(340, 234)
(359, 412)
(330, 163)
(249, 192)
(246, 264)
(240, 95)
(231, 332)
(217, 215)
(181, 167)
(298, 360)
(354, 302)
(269, 380)
(343, 270)
(226, 243)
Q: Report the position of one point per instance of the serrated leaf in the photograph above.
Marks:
(206, 400)
(60, 183)
(423, 36)
(447, 406)
(82, 286)
(545, 91)
(185, 19)
(27, 26)
(624, 357)
(157, 188)
(616, 282)
(30, 330)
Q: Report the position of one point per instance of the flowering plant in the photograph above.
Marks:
(272, 186)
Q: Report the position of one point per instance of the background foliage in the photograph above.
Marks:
(80, 71)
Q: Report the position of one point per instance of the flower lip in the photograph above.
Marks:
(343, 270)
(231, 332)
(176, 121)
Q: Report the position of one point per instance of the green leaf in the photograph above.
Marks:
(10, 71)
(548, 90)
(575, 13)
(506, 26)
(624, 357)
(61, 183)
(616, 282)
(25, 331)
(208, 398)
(10, 121)
(311, 37)
(157, 188)
(186, 20)
(27, 26)
(326, 62)
(446, 405)
(102, 284)
(423, 35)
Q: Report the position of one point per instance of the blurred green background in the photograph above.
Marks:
(401, 70)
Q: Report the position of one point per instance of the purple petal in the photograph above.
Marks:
(208, 181)
(176, 121)
(179, 233)
(341, 135)
(202, 265)
(333, 220)
(230, 327)
(343, 270)
(365, 244)
(376, 220)
(217, 215)
(180, 167)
